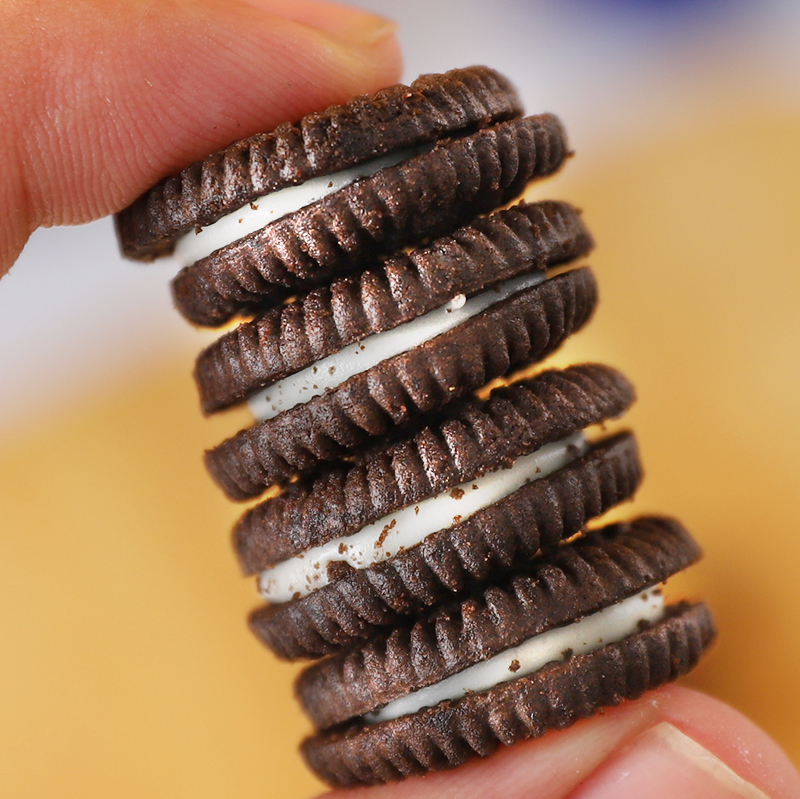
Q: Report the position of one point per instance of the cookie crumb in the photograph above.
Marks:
(384, 533)
(514, 667)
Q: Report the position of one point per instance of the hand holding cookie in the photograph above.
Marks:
(147, 124)
(102, 99)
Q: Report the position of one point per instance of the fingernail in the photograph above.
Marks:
(350, 25)
(664, 763)
(373, 31)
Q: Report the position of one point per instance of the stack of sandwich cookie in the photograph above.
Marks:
(436, 546)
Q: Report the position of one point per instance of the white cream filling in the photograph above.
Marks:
(300, 575)
(332, 371)
(590, 633)
(258, 213)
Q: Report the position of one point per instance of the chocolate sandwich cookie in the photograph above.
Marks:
(434, 516)
(342, 136)
(526, 238)
(300, 243)
(582, 628)
(355, 602)
(525, 320)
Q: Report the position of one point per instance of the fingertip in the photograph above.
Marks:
(732, 738)
(374, 63)
(665, 763)
(231, 71)
(352, 25)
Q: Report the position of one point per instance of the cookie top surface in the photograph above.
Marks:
(433, 106)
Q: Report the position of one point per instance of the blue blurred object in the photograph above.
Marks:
(668, 11)
(664, 6)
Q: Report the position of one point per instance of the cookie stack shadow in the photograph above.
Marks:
(433, 544)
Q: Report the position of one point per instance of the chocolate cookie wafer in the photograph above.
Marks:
(581, 628)
(477, 437)
(353, 603)
(552, 698)
(572, 581)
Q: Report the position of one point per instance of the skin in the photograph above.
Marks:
(102, 101)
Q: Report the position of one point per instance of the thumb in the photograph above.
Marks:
(671, 744)
(102, 98)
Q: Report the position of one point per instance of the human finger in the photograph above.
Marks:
(102, 100)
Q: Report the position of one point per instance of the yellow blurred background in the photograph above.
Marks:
(126, 667)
